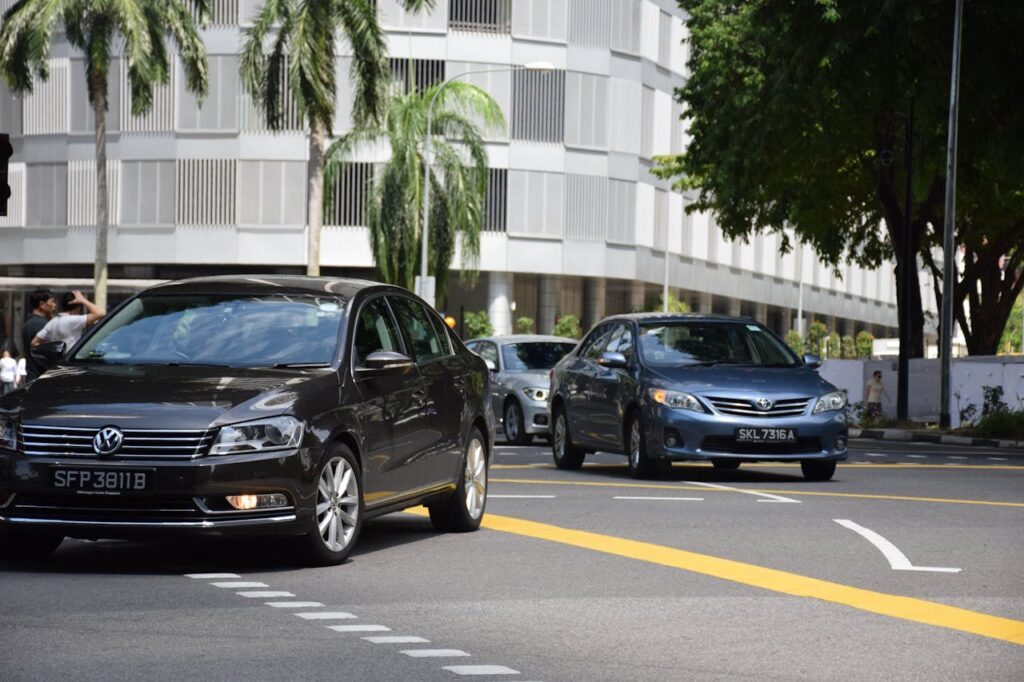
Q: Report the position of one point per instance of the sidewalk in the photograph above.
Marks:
(934, 437)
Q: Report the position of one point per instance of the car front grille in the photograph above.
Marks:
(73, 441)
(102, 508)
(729, 445)
(744, 407)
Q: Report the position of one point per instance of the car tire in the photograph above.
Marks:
(25, 544)
(464, 510)
(566, 455)
(515, 431)
(817, 469)
(640, 465)
(338, 515)
(726, 464)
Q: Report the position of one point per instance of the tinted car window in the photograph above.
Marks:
(706, 343)
(217, 329)
(594, 345)
(426, 344)
(488, 351)
(622, 341)
(375, 331)
(536, 355)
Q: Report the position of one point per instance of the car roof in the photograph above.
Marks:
(341, 287)
(524, 338)
(676, 317)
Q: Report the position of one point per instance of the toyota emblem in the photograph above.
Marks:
(764, 404)
(107, 441)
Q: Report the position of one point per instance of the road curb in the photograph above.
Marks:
(943, 439)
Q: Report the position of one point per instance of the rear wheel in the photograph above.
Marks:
(818, 470)
(339, 509)
(640, 465)
(515, 432)
(463, 511)
(566, 455)
(21, 544)
(726, 464)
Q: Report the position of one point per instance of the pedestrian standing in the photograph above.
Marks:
(873, 393)
(22, 373)
(78, 314)
(43, 305)
(8, 373)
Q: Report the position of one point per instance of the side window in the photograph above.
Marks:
(426, 344)
(441, 329)
(488, 351)
(375, 330)
(594, 346)
(622, 341)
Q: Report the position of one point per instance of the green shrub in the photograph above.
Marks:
(477, 325)
(817, 332)
(524, 325)
(848, 348)
(674, 305)
(568, 326)
(795, 341)
(1001, 424)
(865, 345)
(833, 348)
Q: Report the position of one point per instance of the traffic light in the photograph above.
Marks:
(6, 150)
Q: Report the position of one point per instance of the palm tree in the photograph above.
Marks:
(95, 27)
(299, 68)
(458, 177)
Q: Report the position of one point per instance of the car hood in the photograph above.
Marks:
(796, 381)
(537, 378)
(156, 396)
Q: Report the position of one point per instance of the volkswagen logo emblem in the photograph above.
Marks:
(107, 441)
(764, 404)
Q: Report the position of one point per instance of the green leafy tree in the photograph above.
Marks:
(832, 347)
(299, 68)
(795, 341)
(865, 344)
(524, 325)
(817, 332)
(674, 305)
(458, 177)
(797, 115)
(139, 30)
(568, 326)
(849, 348)
(477, 324)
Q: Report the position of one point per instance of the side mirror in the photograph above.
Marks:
(49, 354)
(490, 365)
(812, 361)
(613, 360)
(386, 360)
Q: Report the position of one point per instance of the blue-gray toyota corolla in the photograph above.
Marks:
(663, 388)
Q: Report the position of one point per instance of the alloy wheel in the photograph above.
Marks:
(512, 422)
(337, 504)
(560, 434)
(634, 444)
(475, 479)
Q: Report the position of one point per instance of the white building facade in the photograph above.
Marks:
(576, 223)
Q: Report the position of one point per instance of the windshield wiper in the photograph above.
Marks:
(300, 365)
(715, 363)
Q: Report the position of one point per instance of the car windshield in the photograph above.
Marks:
(707, 344)
(224, 330)
(534, 355)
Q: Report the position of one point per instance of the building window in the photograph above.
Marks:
(46, 108)
(538, 106)
(621, 212)
(251, 113)
(274, 192)
(416, 75)
(496, 201)
(82, 192)
(586, 207)
(206, 191)
(147, 193)
(586, 110)
(350, 190)
(490, 16)
(222, 13)
(47, 194)
(160, 117)
(589, 23)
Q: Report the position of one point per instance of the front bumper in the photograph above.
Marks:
(187, 496)
(705, 436)
(535, 417)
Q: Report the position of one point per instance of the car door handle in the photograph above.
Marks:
(419, 398)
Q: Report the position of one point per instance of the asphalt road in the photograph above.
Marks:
(908, 565)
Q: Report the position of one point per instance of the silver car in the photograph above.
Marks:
(520, 379)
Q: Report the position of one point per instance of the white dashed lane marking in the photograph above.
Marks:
(767, 497)
(480, 670)
(520, 497)
(359, 628)
(239, 585)
(325, 615)
(264, 594)
(211, 576)
(918, 456)
(675, 499)
(295, 604)
(875, 454)
(396, 639)
(998, 459)
(956, 457)
(434, 653)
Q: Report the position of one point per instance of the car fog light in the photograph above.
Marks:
(840, 444)
(673, 439)
(249, 502)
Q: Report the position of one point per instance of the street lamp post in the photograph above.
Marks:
(422, 290)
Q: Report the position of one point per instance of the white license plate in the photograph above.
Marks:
(101, 481)
(765, 434)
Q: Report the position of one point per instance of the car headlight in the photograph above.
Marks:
(276, 433)
(9, 434)
(675, 399)
(538, 394)
(831, 402)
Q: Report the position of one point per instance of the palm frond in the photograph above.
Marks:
(370, 74)
(311, 61)
(191, 49)
(25, 41)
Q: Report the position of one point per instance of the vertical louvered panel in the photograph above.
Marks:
(416, 75)
(488, 16)
(538, 106)
(159, 118)
(660, 219)
(82, 192)
(349, 195)
(625, 25)
(46, 109)
(222, 13)
(16, 202)
(496, 201)
(252, 114)
(586, 207)
(46, 192)
(206, 191)
(621, 211)
(589, 22)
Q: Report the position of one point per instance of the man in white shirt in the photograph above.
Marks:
(8, 373)
(79, 314)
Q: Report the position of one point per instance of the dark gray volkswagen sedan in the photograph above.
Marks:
(249, 406)
(662, 388)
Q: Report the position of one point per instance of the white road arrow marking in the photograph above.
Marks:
(768, 497)
(897, 559)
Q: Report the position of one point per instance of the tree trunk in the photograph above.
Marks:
(99, 108)
(315, 210)
(898, 232)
